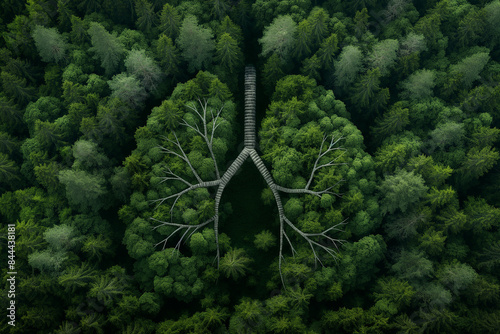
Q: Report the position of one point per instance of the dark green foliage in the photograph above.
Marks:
(170, 21)
(227, 52)
(146, 16)
(168, 55)
(93, 92)
(17, 89)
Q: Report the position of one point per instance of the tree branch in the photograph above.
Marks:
(179, 228)
(331, 148)
(310, 192)
(182, 192)
(204, 134)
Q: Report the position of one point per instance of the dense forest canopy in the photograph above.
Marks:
(378, 122)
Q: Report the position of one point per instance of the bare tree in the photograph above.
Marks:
(209, 119)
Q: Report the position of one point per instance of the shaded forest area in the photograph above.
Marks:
(95, 93)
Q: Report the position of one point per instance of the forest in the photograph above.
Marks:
(250, 166)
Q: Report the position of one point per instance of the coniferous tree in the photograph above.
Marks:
(106, 46)
(144, 68)
(168, 55)
(348, 65)
(272, 71)
(17, 89)
(146, 16)
(170, 21)
(227, 52)
(327, 51)
(50, 44)
(279, 37)
(303, 40)
(196, 44)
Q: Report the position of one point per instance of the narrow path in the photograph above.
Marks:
(250, 99)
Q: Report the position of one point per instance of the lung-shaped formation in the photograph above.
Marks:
(315, 240)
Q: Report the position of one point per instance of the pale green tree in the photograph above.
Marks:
(196, 43)
(50, 44)
(384, 55)
(469, 68)
(279, 37)
(106, 47)
(128, 89)
(419, 85)
(144, 68)
(401, 190)
(348, 65)
(83, 190)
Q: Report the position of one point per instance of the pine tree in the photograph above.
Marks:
(196, 43)
(128, 89)
(384, 55)
(8, 169)
(393, 121)
(478, 162)
(144, 68)
(272, 72)
(311, 67)
(106, 47)
(327, 51)
(318, 22)
(419, 85)
(106, 289)
(439, 198)
(468, 69)
(170, 21)
(50, 44)
(219, 9)
(168, 55)
(78, 32)
(366, 89)
(10, 116)
(228, 54)
(471, 27)
(228, 26)
(279, 37)
(16, 88)
(303, 40)
(401, 191)
(348, 66)
(146, 16)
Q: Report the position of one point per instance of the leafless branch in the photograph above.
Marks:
(192, 228)
(331, 147)
(204, 133)
(181, 155)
